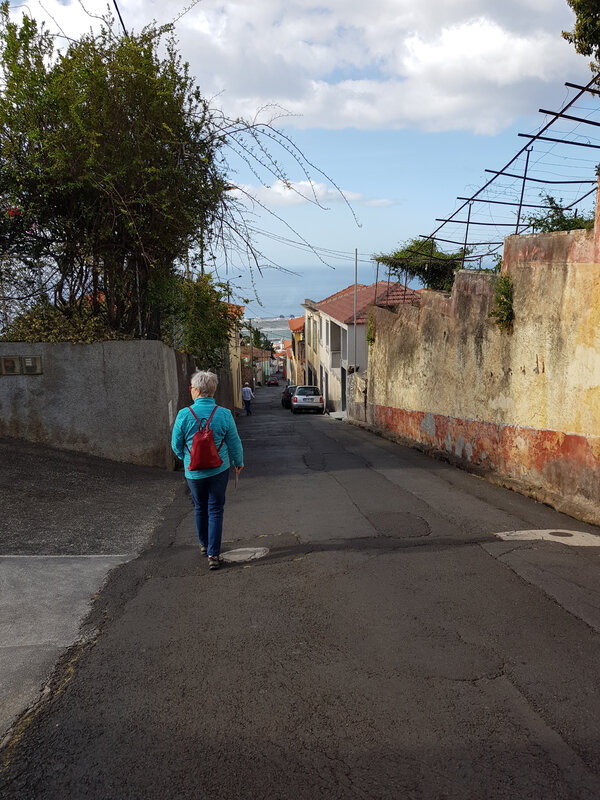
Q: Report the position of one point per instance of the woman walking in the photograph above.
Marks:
(208, 486)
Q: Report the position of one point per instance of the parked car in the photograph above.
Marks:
(272, 381)
(286, 395)
(307, 398)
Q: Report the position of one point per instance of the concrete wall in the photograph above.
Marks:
(312, 345)
(357, 397)
(117, 400)
(523, 406)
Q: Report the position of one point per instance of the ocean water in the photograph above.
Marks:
(274, 327)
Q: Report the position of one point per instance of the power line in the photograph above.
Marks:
(120, 18)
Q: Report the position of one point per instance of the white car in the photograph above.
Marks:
(307, 398)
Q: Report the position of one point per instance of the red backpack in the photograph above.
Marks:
(204, 453)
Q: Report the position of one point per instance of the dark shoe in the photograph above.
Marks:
(213, 562)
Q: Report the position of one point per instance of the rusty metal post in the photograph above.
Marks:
(462, 265)
(522, 191)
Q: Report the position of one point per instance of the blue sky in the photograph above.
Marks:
(402, 104)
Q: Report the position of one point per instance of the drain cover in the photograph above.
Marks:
(245, 554)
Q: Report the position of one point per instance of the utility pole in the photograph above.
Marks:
(4, 307)
(251, 352)
(355, 294)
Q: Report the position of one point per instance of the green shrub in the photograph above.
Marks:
(503, 313)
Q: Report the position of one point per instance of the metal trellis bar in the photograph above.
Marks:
(466, 236)
(504, 203)
(474, 222)
(523, 190)
(568, 116)
(534, 180)
(587, 88)
(559, 141)
(573, 100)
(452, 241)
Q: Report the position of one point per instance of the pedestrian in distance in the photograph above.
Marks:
(247, 397)
(208, 486)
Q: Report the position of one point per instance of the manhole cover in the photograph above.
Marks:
(245, 554)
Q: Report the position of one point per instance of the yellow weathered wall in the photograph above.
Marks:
(524, 405)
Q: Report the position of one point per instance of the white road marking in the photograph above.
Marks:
(70, 555)
(245, 554)
(572, 538)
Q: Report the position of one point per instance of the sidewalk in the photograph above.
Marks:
(67, 521)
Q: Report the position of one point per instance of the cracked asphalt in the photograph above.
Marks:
(390, 645)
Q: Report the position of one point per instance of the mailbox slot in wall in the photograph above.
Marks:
(32, 365)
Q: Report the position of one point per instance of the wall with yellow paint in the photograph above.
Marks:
(524, 405)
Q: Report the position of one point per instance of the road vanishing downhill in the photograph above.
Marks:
(390, 644)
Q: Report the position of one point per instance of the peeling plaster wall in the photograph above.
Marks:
(524, 406)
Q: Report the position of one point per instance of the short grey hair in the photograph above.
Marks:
(205, 382)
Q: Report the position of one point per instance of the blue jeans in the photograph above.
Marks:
(209, 500)
(247, 406)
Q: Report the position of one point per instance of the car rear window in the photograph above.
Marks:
(308, 391)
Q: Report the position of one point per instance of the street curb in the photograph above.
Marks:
(121, 584)
(552, 499)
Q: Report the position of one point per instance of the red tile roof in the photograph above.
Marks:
(236, 309)
(342, 293)
(297, 324)
(394, 294)
(340, 306)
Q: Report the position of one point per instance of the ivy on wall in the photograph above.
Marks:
(503, 313)
(370, 330)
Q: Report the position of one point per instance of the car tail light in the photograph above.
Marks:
(295, 399)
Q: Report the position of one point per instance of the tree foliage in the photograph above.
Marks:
(200, 321)
(503, 314)
(421, 259)
(196, 319)
(559, 219)
(585, 35)
(261, 340)
(44, 322)
(115, 184)
(110, 159)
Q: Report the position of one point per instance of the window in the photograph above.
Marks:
(308, 329)
(327, 333)
(315, 333)
(308, 391)
(320, 329)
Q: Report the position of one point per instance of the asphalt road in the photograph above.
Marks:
(390, 645)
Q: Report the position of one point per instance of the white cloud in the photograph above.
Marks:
(433, 65)
(296, 193)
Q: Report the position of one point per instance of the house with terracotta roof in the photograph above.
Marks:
(257, 372)
(296, 358)
(338, 343)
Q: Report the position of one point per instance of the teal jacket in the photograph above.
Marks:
(223, 428)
